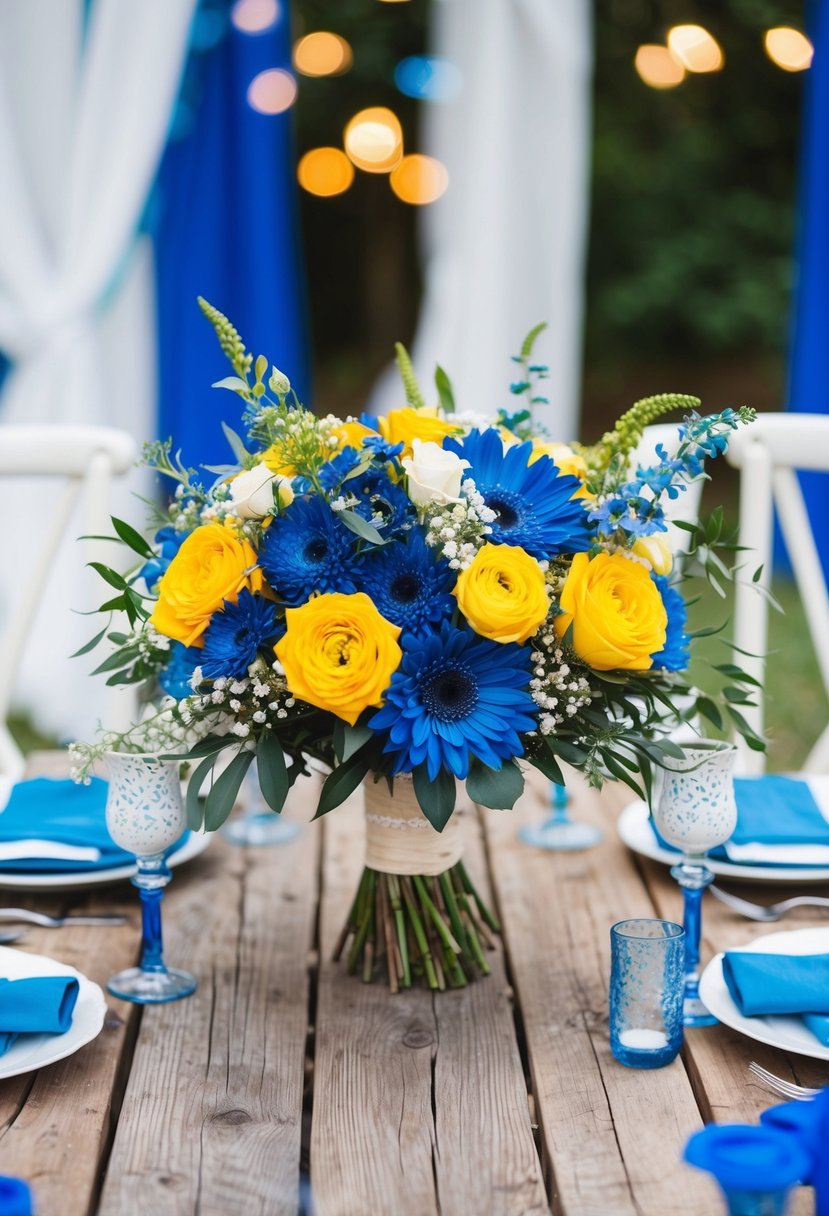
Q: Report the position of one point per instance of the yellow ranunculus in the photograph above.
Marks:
(339, 653)
(503, 593)
(568, 462)
(402, 426)
(619, 620)
(350, 434)
(657, 553)
(212, 565)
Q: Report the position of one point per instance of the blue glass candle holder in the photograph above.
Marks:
(559, 831)
(756, 1167)
(647, 979)
(258, 824)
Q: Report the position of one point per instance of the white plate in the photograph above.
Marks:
(33, 1051)
(634, 827)
(787, 1033)
(195, 843)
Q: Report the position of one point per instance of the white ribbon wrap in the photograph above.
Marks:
(399, 837)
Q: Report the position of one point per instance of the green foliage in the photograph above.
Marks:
(229, 340)
(411, 387)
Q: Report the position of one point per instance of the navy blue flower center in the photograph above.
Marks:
(405, 588)
(506, 505)
(450, 693)
(316, 550)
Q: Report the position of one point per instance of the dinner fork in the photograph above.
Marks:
(786, 1089)
(767, 912)
(56, 922)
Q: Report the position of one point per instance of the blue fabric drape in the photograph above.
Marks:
(226, 227)
(809, 366)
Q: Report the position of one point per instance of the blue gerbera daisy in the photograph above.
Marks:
(334, 471)
(176, 676)
(534, 503)
(235, 634)
(382, 502)
(307, 549)
(674, 655)
(456, 696)
(409, 583)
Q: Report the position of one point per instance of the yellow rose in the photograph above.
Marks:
(618, 617)
(656, 552)
(350, 434)
(339, 653)
(212, 565)
(402, 426)
(503, 593)
(567, 461)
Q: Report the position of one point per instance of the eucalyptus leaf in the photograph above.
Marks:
(499, 789)
(360, 527)
(341, 783)
(354, 737)
(435, 798)
(193, 801)
(273, 772)
(220, 800)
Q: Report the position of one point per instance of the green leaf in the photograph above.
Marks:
(749, 734)
(273, 773)
(360, 527)
(498, 789)
(132, 538)
(236, 444)
(709, 710)
(708, 631)
(354, 737)
(205, 747)
(110, 576)
(569, 752)
(341, 783)
(121, 658)
(220, 800)
(445, 393)
(529, 342)
(235, 383)
(757, 575)
(436, 798)
(193, 802)
(545, 763)
(736, 673)
(90, 645)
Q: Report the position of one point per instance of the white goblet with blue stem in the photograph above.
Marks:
(694, 810)
(145, 816)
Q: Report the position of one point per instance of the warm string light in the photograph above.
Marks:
(419, 179)
(325, 172)
(696, 49)
(254, 16)
(658, 68)
(322, 54)
(272, 91)
(788, 48)
(373, 140)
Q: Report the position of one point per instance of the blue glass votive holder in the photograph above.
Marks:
(756, 1167)
(647, 981)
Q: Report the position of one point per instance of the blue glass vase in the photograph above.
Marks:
(646, 988)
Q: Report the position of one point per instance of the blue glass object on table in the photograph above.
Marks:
(694, 810)
(559, 831)
(15, 1197)
(258, 824)
(145, 815)
(646, 988)
(756, 1167)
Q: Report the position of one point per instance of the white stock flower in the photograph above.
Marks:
(434, 475)
(252, 492)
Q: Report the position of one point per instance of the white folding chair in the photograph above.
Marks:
(768, 453)
(85, 460)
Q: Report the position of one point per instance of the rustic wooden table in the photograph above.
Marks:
(285, 1085)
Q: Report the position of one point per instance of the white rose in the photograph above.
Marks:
(434, 475)
(252, 492)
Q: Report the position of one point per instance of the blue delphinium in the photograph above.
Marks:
(534, 503)
(675, 654)
(629, 510)
(409, 583)
(454, 697)
(175, 677)
(234, 635)
(307, 549)
(170, 541)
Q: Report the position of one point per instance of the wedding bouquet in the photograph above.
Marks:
(430, 597)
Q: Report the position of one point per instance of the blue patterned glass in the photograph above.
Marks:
(647, 979)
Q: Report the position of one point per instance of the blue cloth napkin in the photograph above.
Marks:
(808, 1124)
(762, 984)
(63, 811)
(36, 1006)
(777, 810)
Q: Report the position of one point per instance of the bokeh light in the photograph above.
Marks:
(325, 172)
(419, 179)
(374, 140)
(254, 16)
(788, 48)
(695, 48)
(428, 78)
(657, 67)
(272, 91)
(322, 54)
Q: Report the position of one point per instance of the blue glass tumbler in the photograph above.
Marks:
(756, 1167)
(647, 980)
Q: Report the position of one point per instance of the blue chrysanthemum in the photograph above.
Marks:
(307, 549)
(175, 678)
(674, 655)
(170, 541)
(235, 634)
(333, 472)
(409, 583)
(454, 697)
(534, 503)
(381, 502)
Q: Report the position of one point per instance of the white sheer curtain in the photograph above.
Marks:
(504, 248)
(84, 116)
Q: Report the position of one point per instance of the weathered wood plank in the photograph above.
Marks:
(212, 1114)
(420, 1104)
(611, 1136)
